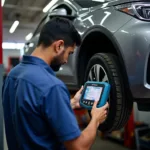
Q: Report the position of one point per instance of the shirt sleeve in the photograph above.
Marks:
(60, 115)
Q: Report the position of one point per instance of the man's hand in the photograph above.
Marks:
(99, 114)
(75, 100)
(88, 135)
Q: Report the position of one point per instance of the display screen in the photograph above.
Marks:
(93, 93)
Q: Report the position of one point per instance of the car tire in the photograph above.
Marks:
(120, 104)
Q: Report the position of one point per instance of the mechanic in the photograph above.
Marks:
(38, 112)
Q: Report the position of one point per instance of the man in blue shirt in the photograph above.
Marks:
(38, 112)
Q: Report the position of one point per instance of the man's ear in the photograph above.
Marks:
(59, 46)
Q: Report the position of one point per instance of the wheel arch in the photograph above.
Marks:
(85, 53)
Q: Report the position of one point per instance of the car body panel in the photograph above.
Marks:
(135, 48)
(129, 36)
(85, 24)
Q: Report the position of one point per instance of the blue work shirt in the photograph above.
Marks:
(37, 110)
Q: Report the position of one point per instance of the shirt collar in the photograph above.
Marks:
(37, 61)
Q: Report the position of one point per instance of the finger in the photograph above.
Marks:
(105, 112)
(95, 104)
(78, 105)
(81, 89)
(106, 106)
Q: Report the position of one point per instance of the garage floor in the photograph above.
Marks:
(106, 145)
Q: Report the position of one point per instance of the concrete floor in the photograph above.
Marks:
(106, 145)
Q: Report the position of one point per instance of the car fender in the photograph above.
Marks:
(107, 33)
(111, 37)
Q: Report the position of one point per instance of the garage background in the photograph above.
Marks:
(29, 14)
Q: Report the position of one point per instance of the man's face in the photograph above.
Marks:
(62, 57)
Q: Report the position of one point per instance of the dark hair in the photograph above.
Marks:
(59, 29)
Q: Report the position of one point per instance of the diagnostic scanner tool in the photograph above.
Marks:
(94, 91)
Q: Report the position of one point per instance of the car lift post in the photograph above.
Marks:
(1, 81)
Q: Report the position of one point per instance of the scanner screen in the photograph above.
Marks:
(93, 93)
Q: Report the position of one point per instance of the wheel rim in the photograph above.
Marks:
(98, 73)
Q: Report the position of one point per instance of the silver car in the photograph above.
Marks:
(115, 48)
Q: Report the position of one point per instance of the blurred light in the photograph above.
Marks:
(14, 26)
(2, 3)
(47, 7)
(68, 2)
(29, 36)
(21, 52)
(12, 45)
(99, 0)
(61, 69)
(106, 16)
(124, 31)
(31, 44)
(26, 50)
(104, 5)
(19, 45)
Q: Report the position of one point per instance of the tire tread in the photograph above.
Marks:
(123, 108)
